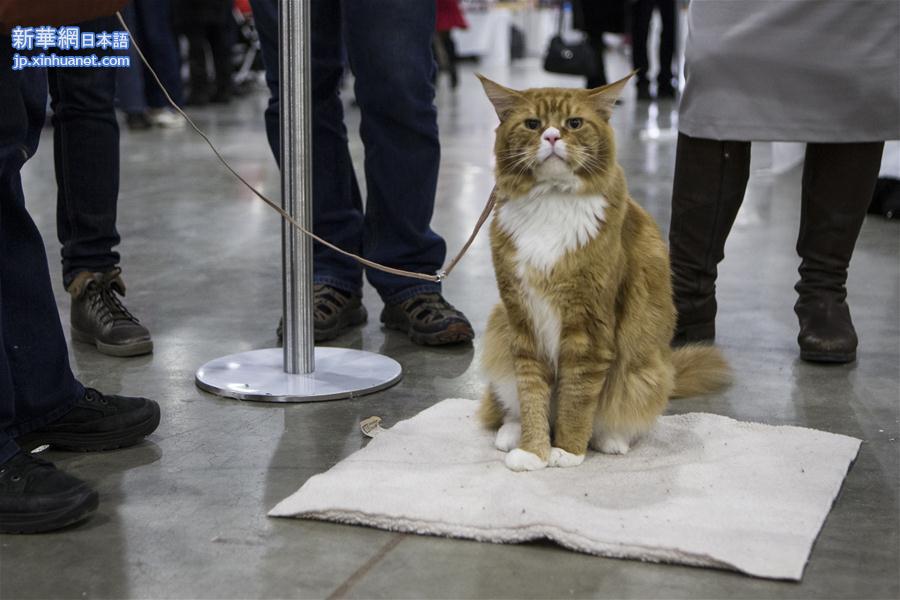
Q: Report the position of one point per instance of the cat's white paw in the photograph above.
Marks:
(561, 458)
(610, 443)
(522, 460)
(508, 436)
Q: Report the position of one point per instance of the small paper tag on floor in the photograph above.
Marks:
(371, 426)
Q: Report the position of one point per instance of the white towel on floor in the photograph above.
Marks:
(700, 489)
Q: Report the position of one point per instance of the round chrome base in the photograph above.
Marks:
(259, 375)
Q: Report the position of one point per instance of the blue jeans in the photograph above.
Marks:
(86, 155)
(36, 383)
(388, 44)
(151, 23)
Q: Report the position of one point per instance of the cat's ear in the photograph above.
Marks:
(503, 98)
(604, 98)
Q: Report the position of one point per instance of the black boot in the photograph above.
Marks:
(99, 318)
(710, 179)
(838, 182)
(35, 496)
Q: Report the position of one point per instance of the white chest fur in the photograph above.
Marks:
(545, 226)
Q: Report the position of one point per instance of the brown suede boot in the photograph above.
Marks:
(710, 179)
(838, 182)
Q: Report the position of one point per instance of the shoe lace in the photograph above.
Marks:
(428, 308)
(105, 302)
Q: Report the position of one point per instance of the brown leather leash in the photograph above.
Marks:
(436, 278)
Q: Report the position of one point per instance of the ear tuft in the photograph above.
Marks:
(605, 97)
(503, 98)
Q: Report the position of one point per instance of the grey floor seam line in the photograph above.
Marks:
(361, 572)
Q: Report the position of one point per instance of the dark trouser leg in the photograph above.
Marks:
(710, 179)
(669, 34)
(838, 181)
(199, 80)
(159, 44)
(265, 17)
(399, 129)
(220, 42)
(86, 156)
(130, 81)
(449, 46)
(36, 384)
(641, 12)
(337, 204)
(598, 79)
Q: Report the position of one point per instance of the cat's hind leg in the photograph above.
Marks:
(500, 407)
(500, 410)
(634, 396)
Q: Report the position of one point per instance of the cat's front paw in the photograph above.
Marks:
(523, 460)
(508, 436)
(561, 458)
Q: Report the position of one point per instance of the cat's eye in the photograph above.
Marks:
(533, 123)
(574, 123)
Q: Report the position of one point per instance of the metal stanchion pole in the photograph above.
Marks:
(298, 372)
(296, 185)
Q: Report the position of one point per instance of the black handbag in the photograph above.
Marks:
(568, 58)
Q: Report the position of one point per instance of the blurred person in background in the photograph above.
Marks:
(86, 157)
(641, 14)
(139, 95)
(41, 402)
(389, 47)
(449, 17)
(594, 17)
(206, 24)
(842, 100)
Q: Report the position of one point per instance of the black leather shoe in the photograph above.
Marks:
(665, 92)
(99, 318)
(643, 92)
(334, 312)
(35, 496)
(97, 422)
(429, 320)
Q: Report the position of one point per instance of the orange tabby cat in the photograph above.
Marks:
(577, 352)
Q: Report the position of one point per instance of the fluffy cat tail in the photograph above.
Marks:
(699, 369)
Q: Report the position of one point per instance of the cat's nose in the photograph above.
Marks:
(551, 135)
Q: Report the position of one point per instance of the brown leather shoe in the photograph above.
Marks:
(99, 318)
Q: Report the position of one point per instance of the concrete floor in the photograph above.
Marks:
(184, 514)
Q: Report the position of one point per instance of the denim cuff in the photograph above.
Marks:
(339, 284)
(396, 297)
(69, 276)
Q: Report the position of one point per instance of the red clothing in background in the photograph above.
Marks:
(449, 16)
